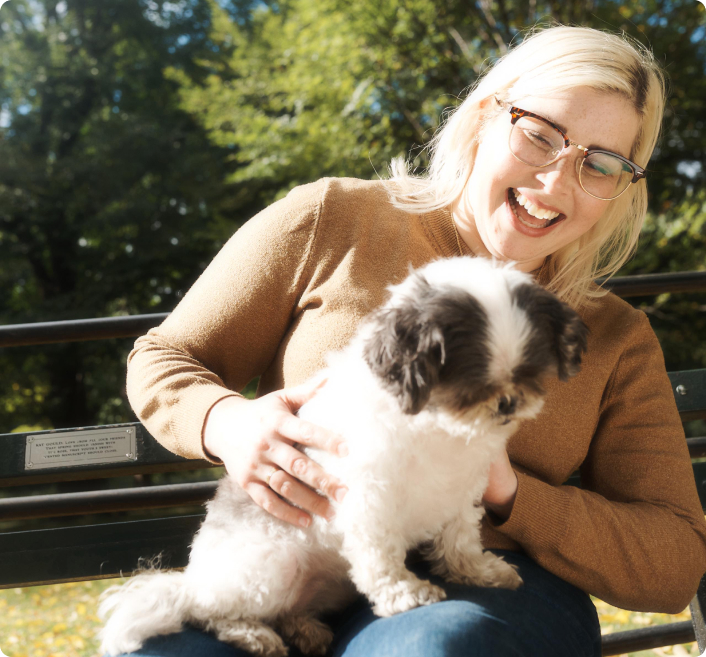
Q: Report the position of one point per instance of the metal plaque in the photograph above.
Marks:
(71, 448)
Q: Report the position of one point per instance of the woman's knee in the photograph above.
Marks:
(447, 629)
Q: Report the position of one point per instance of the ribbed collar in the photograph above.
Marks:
(440, 226)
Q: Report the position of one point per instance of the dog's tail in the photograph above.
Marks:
(149, 604)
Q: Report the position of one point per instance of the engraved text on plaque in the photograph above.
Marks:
(71, 448)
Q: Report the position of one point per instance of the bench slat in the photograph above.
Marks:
(647, 638)
(106, 501)
(689, 389)
(44, 556)
(697, 607)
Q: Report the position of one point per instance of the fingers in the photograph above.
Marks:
(263, 461)
(274, 505)
(301, 467)
(305, 433)
(297, 396)
(295, 492)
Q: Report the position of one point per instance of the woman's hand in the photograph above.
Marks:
(254, 439)
(499, 496)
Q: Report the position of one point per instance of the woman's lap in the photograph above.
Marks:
(545, 617)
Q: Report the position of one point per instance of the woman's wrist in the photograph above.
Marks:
(500, 499)
(218, 418)
(503, 510)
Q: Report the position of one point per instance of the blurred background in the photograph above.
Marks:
(137, 135)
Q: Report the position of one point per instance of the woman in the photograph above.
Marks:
(542, 164)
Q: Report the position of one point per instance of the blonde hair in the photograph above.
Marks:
(548, 62)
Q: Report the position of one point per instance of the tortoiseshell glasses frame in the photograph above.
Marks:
(638, 173)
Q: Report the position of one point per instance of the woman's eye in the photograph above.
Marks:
(596, 169)
(599, 169)
(538, 139)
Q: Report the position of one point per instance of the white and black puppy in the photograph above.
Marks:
(426, 395)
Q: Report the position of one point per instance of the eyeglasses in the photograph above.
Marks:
(536, 141)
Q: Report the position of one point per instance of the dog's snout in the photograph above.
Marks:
(507, 405)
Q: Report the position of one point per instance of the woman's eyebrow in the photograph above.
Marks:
(607, 150)
(590, 146)
(552, 121)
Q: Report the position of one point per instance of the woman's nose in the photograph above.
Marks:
(560, 175)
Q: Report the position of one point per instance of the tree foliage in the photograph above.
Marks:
(110, 195)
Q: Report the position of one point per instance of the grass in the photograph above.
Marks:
(60, 621)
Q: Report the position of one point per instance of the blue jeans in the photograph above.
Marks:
(545, 617)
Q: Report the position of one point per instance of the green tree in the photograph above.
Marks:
(111, 197)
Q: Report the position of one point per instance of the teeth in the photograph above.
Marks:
(532, 208)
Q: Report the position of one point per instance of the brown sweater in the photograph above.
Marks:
(292, 285)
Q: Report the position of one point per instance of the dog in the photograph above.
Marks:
(427, 395)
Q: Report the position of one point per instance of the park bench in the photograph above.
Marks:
(34, 553)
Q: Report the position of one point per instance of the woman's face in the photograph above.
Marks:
(488, 216)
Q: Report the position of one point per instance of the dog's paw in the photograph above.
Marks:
(489, 571)
(253, 636)
(310, 635)
(406, 595)
(507, 578)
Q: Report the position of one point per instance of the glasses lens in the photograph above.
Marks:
(605, 176)
(534, 142)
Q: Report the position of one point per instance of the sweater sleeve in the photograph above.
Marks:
(229, 325)
(634, 535)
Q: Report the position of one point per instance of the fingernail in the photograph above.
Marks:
(342, 449)
(304, 521)
(330, 514)
(340, 493)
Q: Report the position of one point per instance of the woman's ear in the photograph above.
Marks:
(490, 107)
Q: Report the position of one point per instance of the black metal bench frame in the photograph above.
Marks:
(81, 552)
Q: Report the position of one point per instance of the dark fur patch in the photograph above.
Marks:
(558, 340)
(437, 336)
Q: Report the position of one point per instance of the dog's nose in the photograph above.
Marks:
(507, 405)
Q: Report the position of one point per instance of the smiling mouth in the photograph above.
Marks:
(524, 212)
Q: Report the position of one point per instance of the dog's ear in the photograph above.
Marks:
(406, 349)
(572, 339)
(558, 325)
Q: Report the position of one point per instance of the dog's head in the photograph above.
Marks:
(470, 334)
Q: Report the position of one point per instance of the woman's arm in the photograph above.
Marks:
(635, 534)
(183, 375)
(229, 325)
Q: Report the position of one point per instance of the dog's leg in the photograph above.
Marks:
(307, 633)
(251, 635)
(378, 571)
(458, 556)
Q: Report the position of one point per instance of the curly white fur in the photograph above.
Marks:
(419, 478)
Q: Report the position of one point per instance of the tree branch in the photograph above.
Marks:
(491, 25)
(464, 48)
(506, 21)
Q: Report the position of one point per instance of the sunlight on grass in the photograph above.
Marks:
(51, 621)
(60, 621)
